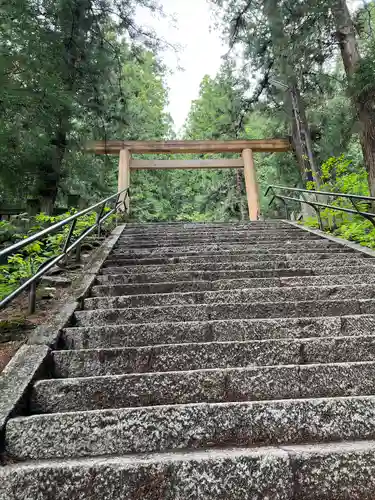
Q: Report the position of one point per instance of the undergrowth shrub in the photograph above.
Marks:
(340, 175)
(21, 266)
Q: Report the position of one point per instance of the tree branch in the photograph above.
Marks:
(238, 22)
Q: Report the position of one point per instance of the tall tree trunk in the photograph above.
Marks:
(75, 24)
(50, 170)
(363, 104)
(292, 100)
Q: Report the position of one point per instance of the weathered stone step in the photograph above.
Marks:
(211, 230)
(185, 357)
(213, 235)
(167, 240)
(118, 260)
(208, 276)
(338, 471)
(191, 426)
(144, 334)
(206, 312)
(208, 226)
(249, 251)
(245, 295)
(193, 226)
(206, 385)
(190, 476)
(196, 286)
(233, 266)
(285, 246)
(267, 238)
(317, 270)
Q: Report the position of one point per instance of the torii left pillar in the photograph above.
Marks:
(124, 177)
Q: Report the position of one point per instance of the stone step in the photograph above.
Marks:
(247, 251)
(317, 270)
(335, 471)
(191, 426)
(233, 296)
(209, 226)
(181, 239)
(118, 260)
(234, 266)
(212, 230)
(206, 312)
(185, 357)
(214, 235)
(190, 476)
(267, 238)
(196, 286)
(210, 264)
(205, 385)
(285, 246)
(225, 226)
(145, 334)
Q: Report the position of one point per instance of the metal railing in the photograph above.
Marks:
(67, 247)
(317, 205)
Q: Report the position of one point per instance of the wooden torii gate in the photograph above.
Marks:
(244, 148)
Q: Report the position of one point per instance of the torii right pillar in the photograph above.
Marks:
(252, 191)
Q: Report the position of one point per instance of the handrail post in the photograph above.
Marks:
(78, 252)
(65, 261)
(252, 192)
(69, 236)
(319, 217)
(285, 207)
(32, 298)
(99, 217)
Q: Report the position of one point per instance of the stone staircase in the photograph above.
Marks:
(211, 361)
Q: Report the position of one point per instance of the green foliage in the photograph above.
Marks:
(21, 266)
(325, 51)
(340, 175)
(8, 231)
(73, 71)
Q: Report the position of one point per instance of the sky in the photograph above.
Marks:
(200, 52)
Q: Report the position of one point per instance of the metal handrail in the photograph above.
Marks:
(68, 246)
(327, 193)
(317, 204)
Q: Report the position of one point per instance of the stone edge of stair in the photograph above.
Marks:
(77, 337)
(31, 360)
(190, 427)
(50, 332)
(335, 239)
(210, 385)
(289, 472)
(27, 364)
(72, 363)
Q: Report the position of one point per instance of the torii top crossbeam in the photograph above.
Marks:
(156, 147)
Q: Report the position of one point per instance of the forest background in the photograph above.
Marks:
(79, 70)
